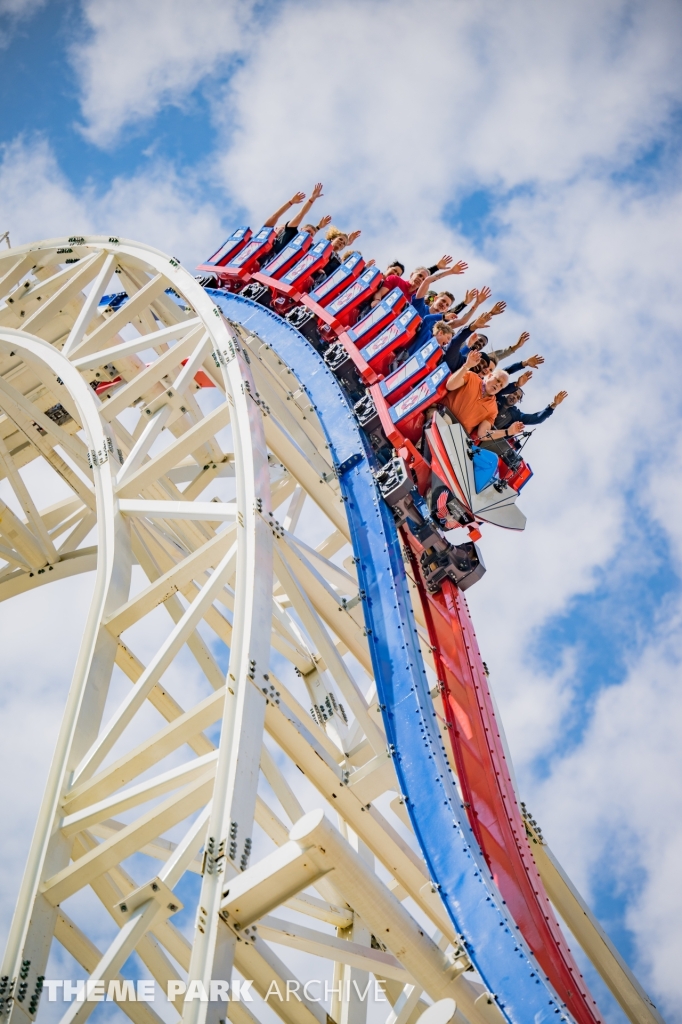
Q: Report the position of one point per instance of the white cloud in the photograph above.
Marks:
(39, 638)
(614, 808)
(139, 56)
(157, 206)
(400, 112)
(418, 108)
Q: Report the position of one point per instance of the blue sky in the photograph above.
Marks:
(541, 143)
(182, 136)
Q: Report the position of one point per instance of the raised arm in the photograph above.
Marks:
(533, 361)
(533, 419)
(504, 353)
(479, 323)
(303, 212)
(458, 268)
(481, 295)
(456, 380)
(294, 201)
(470, 299)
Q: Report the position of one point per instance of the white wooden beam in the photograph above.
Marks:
(308, 940)
(266, 885)
(135, 795)
(387, 918)
(89, 307)
(112, 851)
(161, 661)
(142, 342)
(203, 511)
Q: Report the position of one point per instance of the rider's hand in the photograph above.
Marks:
(558, 399)
(482, 321)
(534, 361)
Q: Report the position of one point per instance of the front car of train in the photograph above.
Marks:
(458, 484)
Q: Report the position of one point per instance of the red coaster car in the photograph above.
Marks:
(414, 369)
(285, 259)
(239, 269)
(234, 244)
(333, 285)
(383, 314)
(379, 352)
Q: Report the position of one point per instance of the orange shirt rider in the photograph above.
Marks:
(472, 401)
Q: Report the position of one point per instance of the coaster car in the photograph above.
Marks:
(446, 479)
(439, 559)
(479, 478)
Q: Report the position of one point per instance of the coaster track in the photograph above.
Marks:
(130, 404)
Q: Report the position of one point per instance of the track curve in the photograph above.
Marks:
(457, 866)
(461, 802)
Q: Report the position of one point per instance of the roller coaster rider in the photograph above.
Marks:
(419, 281)
(287, 231)
(440, 309)
(432, 353)
(472, 402)
(508, 413)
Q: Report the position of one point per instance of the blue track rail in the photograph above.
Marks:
(455, 862)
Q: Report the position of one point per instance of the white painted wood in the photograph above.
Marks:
(137, 455)
(275, 879)
(403, 1009)
(208, 564)
(389, 921)
(143, 342)
(343, 951)
(164, 783)
(210, 511)
(89, 307)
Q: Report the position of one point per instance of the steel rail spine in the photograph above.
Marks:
(493, 811)
(456, 865)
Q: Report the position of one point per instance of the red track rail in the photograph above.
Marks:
(488, 791)
(477, 746)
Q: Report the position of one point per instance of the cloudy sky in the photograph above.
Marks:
(538, 140)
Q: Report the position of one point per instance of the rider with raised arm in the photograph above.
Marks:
(295, 200)
(469, 339)
(340, 240)
(438, 310)
(509, 414)
(442, 269)
(472, 401)
(418, 278)
(289, 230)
